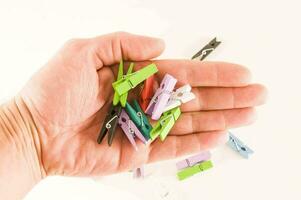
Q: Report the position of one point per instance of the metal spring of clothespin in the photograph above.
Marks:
(130, 129)
(110, 124)
(137, 115)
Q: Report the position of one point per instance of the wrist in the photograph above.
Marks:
(20, 152)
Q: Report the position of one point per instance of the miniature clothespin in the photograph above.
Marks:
(110, 124)
(190, 171)
(130, 81)
(239, 146)
(205, 51)
(139, 172)
(157, 105)
(147, 92)
(181, 95)
(165, 123)
(193, 160)
(138, 117)
(130, 129)
(122, 98)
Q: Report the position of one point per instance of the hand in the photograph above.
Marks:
(69, 99)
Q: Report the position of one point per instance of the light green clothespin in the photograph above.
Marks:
(190, 171)
(130, 81)
(165, 123)
(122, 98)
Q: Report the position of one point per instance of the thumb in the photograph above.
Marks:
(111, 48)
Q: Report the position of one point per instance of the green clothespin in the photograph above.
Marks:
(138, 117)
(190, 171)
(130, 81)
(165, 123)
(122, 98)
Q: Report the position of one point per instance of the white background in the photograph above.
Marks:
(263, 35)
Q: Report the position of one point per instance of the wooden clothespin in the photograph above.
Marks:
(122, 98)
(130, 129)
(238, 146)
(181, 95)
(165, 123)
(193, 160)
(190, 171)
(139, 118)
(147, 92)
(206, 50)
(157, 105)
(130, 81)
(110, 124)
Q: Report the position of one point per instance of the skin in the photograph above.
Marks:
(51, 126)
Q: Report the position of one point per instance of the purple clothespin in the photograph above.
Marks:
(139, 172)
(130, 129)
(157, 104)
(193, 160)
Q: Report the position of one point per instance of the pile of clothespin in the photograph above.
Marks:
(163, 106)
(193, 165)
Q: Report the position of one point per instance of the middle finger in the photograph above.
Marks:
(204, 121)
(225, 98)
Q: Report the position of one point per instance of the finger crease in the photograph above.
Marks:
(122, 49)
(224, 120)
(200, 100)
(113, 50)
(233, 98)
(192, 124)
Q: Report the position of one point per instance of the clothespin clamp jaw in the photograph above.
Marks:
(130, 81)
(147, 92)
(205, 51)
(139, 118)
(190, 171)
(238, 146)
(180, 96)
(157, 105)
(165, 123)
(130, 129)
(109, 124)
(122, 98)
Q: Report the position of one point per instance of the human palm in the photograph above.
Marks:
(69, 99)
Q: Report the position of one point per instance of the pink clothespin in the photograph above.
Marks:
(157, 105)
(139, 172)
(193, 160)
(130, 129)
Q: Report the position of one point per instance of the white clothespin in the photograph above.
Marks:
(181, 95)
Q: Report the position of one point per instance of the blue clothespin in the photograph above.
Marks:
(239, 146)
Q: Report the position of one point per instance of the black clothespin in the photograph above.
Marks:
(206, 50)
(110, 123)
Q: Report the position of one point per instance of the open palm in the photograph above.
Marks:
(70, 96)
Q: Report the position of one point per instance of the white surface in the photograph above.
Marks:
(263, 35)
